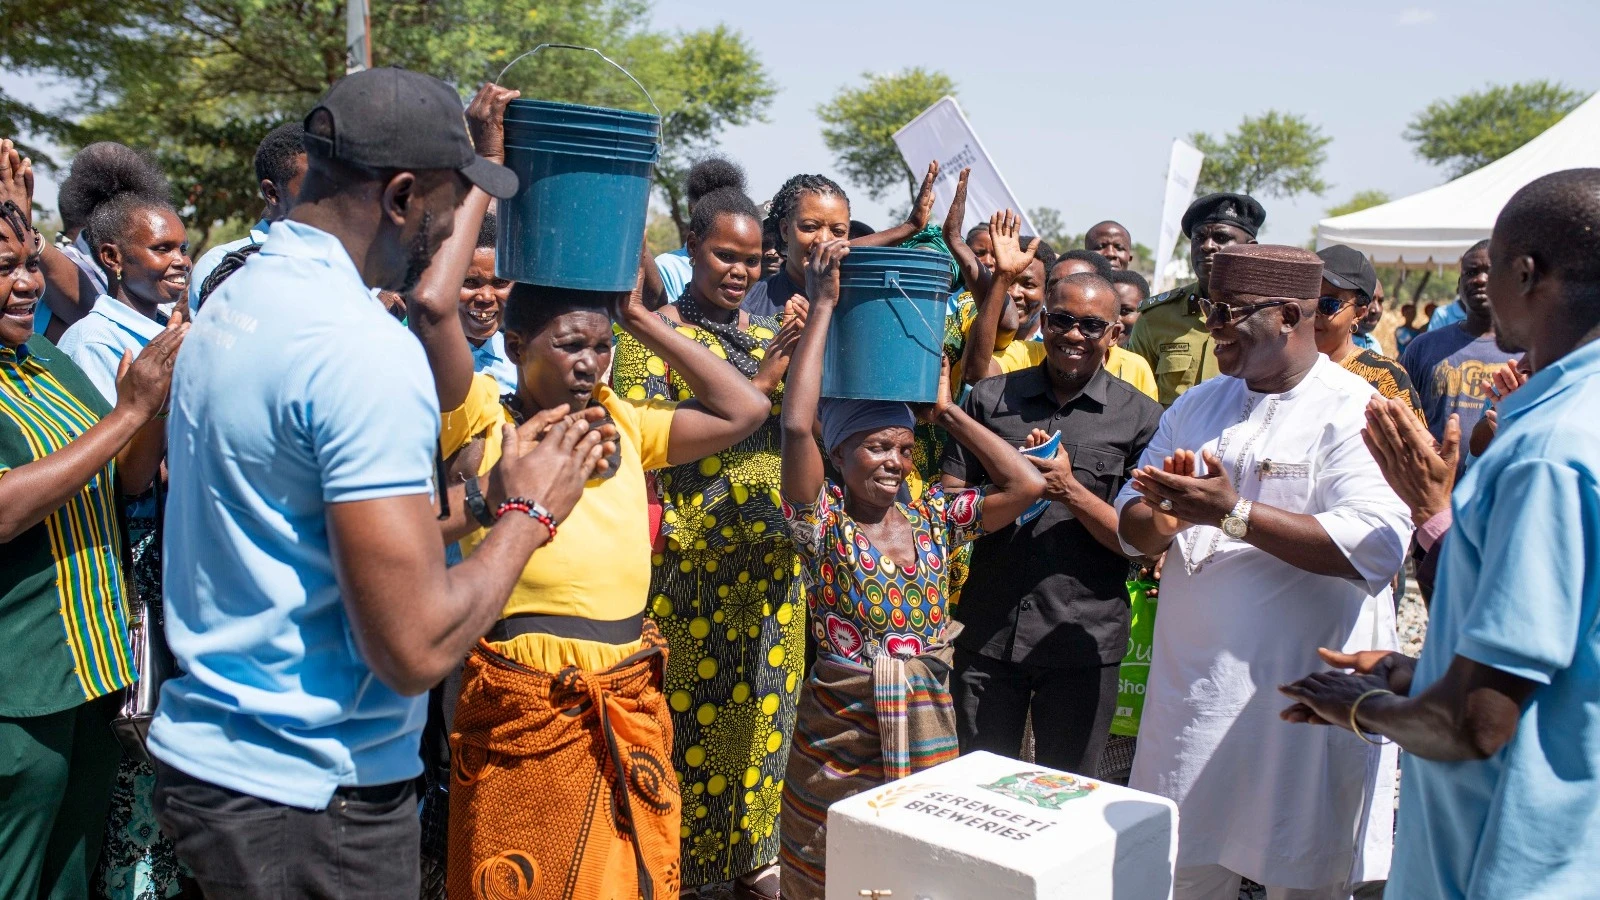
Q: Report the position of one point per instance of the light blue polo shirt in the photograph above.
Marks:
(97, 341)
(273, 419)
(208, 262)
(676, 272)
(1449, 314)
(1519, 590)
(491, 357)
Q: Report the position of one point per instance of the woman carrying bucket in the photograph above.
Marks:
(562, 780)
(724, 587)
(876, 706)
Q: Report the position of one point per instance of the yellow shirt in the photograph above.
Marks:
(598, 567)
(1132, 368)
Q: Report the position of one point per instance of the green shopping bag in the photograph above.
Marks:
(1135, 669)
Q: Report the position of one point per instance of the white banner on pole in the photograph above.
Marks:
(943, 133)
(1183, 172)
(357, 40)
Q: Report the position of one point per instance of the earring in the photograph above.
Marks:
(1355, 327)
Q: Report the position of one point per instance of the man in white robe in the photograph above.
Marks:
(1281, 536)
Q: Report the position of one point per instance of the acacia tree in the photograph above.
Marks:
(1272, 155)
(198, 82)
(1466, 132)
(859, 123)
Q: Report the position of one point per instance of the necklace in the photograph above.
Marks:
(1190, 564)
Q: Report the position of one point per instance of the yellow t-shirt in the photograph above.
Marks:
(598, 567)
(1132, 368)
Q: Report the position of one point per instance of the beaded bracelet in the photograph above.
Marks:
(533, 509)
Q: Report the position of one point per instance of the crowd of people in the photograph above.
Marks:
(476, 588)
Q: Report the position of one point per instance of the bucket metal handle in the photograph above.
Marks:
(891, 278)
(649, 99)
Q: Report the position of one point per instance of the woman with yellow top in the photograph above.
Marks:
(724, 589)
(562, 782)
(561, 713)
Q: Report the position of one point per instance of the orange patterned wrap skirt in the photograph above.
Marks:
(563, 786)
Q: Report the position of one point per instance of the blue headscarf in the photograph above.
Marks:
(842, 418)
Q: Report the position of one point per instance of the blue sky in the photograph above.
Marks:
(1079, 103)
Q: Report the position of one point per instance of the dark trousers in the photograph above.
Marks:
(1072, 710)
(56, 776)
(364, 845)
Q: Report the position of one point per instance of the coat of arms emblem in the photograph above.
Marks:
(1046, 790)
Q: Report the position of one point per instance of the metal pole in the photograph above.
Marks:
(357, 37)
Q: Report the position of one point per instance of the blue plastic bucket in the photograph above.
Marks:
(887, 335)
(578, 218)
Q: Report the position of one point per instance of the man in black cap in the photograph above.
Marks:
(310, 607)
(1171, 333)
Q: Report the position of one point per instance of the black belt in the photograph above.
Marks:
(621, 631)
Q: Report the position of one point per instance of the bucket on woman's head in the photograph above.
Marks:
(886, 341)
(578, 218)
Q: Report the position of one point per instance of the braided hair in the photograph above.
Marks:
(785, 201)
(13, 216)
(232, 262)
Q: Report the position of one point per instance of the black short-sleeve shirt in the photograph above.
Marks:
(768, 296)
(1048, 593)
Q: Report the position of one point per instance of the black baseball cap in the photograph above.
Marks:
(1348, 268)
(389, 118)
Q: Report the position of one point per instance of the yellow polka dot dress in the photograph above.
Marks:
(725, 593)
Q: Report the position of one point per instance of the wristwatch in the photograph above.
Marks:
(476, 505)
(1237, 523)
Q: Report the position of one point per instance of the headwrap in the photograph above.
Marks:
(1239, 210)
(1266, 270)
(842, 418)
(931, 237)
(736, 343)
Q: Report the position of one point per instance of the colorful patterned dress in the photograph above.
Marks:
(725, 593)
(877, 704)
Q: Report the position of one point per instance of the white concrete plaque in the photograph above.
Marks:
(984, 827)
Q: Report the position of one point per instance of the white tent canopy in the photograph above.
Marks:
(1439, 224)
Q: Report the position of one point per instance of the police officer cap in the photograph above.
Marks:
(1239, 210)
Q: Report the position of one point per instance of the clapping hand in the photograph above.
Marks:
(1176, 494)
(143, 382)
(779, 353)
(1419, 470)
(550, 456)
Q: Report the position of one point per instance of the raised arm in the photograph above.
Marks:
(68, 291)
(803, 472)
(130, 434)
(973, 274)
(996, 312)
(432, 309)
(414, 619)
(920, 213)
(726, 407)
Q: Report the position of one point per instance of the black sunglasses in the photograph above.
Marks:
(1223, 313)
(1091, 328)
(1330, 306)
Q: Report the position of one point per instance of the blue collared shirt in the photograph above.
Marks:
(273, 420)
(1454, 312)
(491, 357)
(208, 262)
(97, 341)
(1519, 591)
(675, 272)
